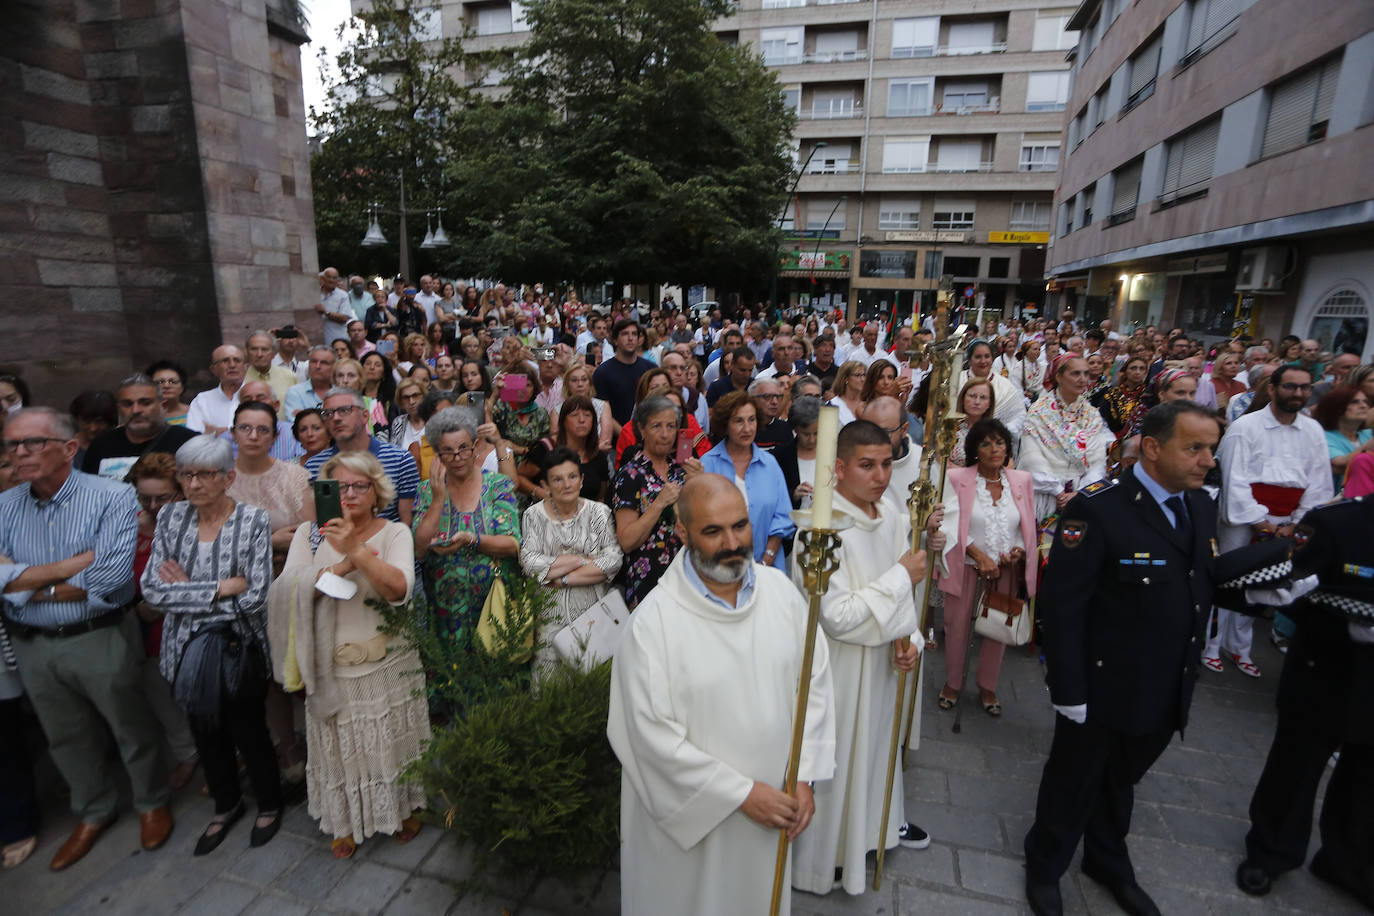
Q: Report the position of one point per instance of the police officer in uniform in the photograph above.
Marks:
(1126, 598)
(1324, 700)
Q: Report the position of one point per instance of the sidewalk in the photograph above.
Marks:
(974, 792)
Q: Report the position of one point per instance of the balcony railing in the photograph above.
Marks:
(1021, 225)
(962, 167)
(843, 167)
(920, 111)
(991, 106)
(832, 111)
(999, 47)
(835, 57)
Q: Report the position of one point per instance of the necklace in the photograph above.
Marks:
(557, 513)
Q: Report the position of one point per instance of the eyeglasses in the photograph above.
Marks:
(158, 499)
(30, 444)
(359, 488)
(1294, 386)
(331, 412)
(448, 454)
(775, 396)
(249, 430)
(193, 476)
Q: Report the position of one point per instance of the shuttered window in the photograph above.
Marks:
(1126, 188)
(915, 37)
(905, 154)
(1190, 159)
(1144, 69)
(1209, 18)
(1299, 108)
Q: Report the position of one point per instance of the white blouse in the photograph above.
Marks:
(994, 527)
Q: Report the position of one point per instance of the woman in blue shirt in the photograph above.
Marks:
(1343, 413)
(734, 424)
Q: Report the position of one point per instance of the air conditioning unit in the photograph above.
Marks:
(1262, 270)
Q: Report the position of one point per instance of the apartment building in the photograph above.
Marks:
(1216, 170)
(928, 139)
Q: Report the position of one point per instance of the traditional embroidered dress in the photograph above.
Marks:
(1062, 444)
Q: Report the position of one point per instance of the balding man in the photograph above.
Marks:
(702, 700)
(887, 412)
(213, 411)
(333, 308)
(261, 350)
(284, 444)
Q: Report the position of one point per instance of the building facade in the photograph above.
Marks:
(1216, 172)
(928, 139)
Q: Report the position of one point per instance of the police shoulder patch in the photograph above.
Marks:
(1071, 532)
(1302, 534)
(1100, 486)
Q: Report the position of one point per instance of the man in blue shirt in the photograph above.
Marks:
(345, 411)
(67, 540)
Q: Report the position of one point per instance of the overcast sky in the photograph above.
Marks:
(325, 17)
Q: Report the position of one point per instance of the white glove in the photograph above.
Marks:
(1281, 597)
(919, 642)
(1077, 713)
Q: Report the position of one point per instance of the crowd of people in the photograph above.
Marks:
(477, 434)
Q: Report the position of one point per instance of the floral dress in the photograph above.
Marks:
(456, 586)
(635, 486)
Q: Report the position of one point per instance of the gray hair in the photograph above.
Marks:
(318, 347)
(137, 380)
(1256, 351)
(757, 385)
(1257, 374)
(209, 452)
(336, 392)
(450, 420)
(261, 333)
(650, 406)
(60, 423)
(805, 411)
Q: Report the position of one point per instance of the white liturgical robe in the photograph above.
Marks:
(702, 701)
(868, 605)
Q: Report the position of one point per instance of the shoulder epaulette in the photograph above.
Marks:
(1100, 486)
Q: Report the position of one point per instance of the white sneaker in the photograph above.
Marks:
(912, 837)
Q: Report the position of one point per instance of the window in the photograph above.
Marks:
(962, 267)
(952, 214)
(836, 46)
(1098, 106)
(426, 24)
(1190, 155)
(833, 103)
(899, 213)
(1077, 131)
(970, 38)
(1342, 321)
(825, 216)
(832, 160)
(494, 20)
(781, 46)
(1144, 69)
(964, 95)
(1125, 191)
(781, 4)
(1040, 157)
(517, 17)
(906, 154)
(959, 155)
(915, 37)
(1047, 91)
(897, 265)
(999, 268)
(909, 98)
(1088, 194)
(934, 264)
(1299, 108)
(791, 99)
(1030, 216)
(1050, 34)
(1209, 24)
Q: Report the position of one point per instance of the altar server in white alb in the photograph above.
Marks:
(703, 690)
(866, 611)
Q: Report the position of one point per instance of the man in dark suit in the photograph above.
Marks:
(1126, 598)
(1323, 700)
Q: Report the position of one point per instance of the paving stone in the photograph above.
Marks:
(932, 865)
(995, 876)
(920, 902)
(990, 793)
(222, 898)
(407, 856)
(266, 864)
(869, 903)
(926, 785)
(276, 905)
(1205, 828)
(315, 875)
(961, 826)
(422, 897)
(365, 888)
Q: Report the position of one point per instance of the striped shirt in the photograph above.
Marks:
(398, 464)
(86, 513)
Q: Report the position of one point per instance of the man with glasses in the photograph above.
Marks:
(311, 392)
(1274, 468)
(68, 541)
(345, 413)
(284, 444)
(773, 430)
(212, 411)
(142, 429)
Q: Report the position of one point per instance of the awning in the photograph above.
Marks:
(825, 274)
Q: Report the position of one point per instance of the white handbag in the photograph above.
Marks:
(593, 637)
(1004, 618)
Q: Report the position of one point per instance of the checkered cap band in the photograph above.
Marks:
(1353, 608)
(1265, 575)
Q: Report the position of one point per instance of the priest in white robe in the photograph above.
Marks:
(702, 701)
(867, 609)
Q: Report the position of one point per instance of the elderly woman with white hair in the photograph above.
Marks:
(366, 718)
(209, 573)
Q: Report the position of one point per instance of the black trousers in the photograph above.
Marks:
(1087, 791)
(18, 806)
(1281, 808)
(242, 725)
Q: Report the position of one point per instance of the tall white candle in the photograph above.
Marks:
(827, 434)
(956, 368)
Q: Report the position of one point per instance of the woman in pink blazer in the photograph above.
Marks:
(989, 527)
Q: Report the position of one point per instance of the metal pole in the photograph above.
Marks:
(820, 145)
(405, 239)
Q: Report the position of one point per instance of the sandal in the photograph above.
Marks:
(17, 852)
(410, 829)
(945, 702)
(343, 847)
(1212, 664)
(1248, 668)
(992, 707)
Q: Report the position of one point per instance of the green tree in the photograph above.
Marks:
(385, 116)
(632, 144)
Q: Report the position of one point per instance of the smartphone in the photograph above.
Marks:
(543, 352)
(286, 331)
(386, 347)
(684, 446)
(478, 401)
(513, 388)
(499, 331)
(327, 504)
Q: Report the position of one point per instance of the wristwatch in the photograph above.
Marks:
(50, 593)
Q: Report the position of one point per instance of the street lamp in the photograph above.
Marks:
(820, 145)
(433, 239)
(820, 235)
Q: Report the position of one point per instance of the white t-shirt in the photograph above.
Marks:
(426, 301)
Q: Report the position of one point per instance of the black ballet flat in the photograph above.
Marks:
(209, 842)
(262, 835)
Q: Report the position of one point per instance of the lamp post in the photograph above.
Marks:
(821, 235)
(820, 145)
(433, 238)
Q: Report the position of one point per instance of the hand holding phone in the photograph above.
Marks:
(327, 503)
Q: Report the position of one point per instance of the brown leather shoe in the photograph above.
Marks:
(155, 826)
(77, 845)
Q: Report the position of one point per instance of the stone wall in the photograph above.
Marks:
(149, 146)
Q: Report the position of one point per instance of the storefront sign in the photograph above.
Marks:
(927, 235)
(1206, 264)
(1019, 238)
(815, 260)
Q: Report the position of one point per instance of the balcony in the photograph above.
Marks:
(833, 57)
(1022, 225)
(842, 167)
(999, 47)
(831, 112)
(964, 167)
(991, 106)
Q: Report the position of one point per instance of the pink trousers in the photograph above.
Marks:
(958, 622)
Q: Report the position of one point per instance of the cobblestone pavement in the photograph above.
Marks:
(974, 792)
